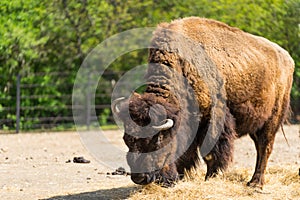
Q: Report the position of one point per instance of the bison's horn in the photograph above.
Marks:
(114, 104)
(168, 124)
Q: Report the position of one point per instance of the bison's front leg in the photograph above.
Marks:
(222, 154)
(264, 140)
(219, 158)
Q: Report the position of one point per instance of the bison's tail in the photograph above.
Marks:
(287, 116)
(284, 135)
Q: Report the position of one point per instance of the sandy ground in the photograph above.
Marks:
(33, 165)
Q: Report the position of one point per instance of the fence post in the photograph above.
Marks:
(18, 103)
(88, 101)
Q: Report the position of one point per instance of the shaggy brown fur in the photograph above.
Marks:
(241, 82)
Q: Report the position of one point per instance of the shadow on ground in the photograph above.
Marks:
(115, 193)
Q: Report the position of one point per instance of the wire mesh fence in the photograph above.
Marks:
(44, 101)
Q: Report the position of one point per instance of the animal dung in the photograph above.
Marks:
(119, 171)
(80, 160)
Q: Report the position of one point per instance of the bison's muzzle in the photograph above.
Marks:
(159, 177)
(143, 178)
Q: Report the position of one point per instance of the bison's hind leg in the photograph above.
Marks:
(222, 153)
(264, 140)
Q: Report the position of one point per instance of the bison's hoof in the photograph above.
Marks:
(255, 185)
(211, 174)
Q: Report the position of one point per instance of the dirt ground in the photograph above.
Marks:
(34, 165)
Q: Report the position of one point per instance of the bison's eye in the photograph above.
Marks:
(160, 139)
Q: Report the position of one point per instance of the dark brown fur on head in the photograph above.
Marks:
(143, 112)
(139, 107)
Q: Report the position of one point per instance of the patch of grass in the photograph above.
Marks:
(63, 128)
(109, 127)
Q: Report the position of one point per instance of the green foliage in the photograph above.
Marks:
(18, 36)
(104, 116)
(55, 36)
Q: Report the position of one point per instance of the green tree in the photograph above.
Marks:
(47, 41)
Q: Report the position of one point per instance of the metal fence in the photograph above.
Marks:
(44, 100)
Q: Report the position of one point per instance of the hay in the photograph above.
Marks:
(281, 183)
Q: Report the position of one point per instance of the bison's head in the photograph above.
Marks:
(150, 124)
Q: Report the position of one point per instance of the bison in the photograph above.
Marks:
(207, 84)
